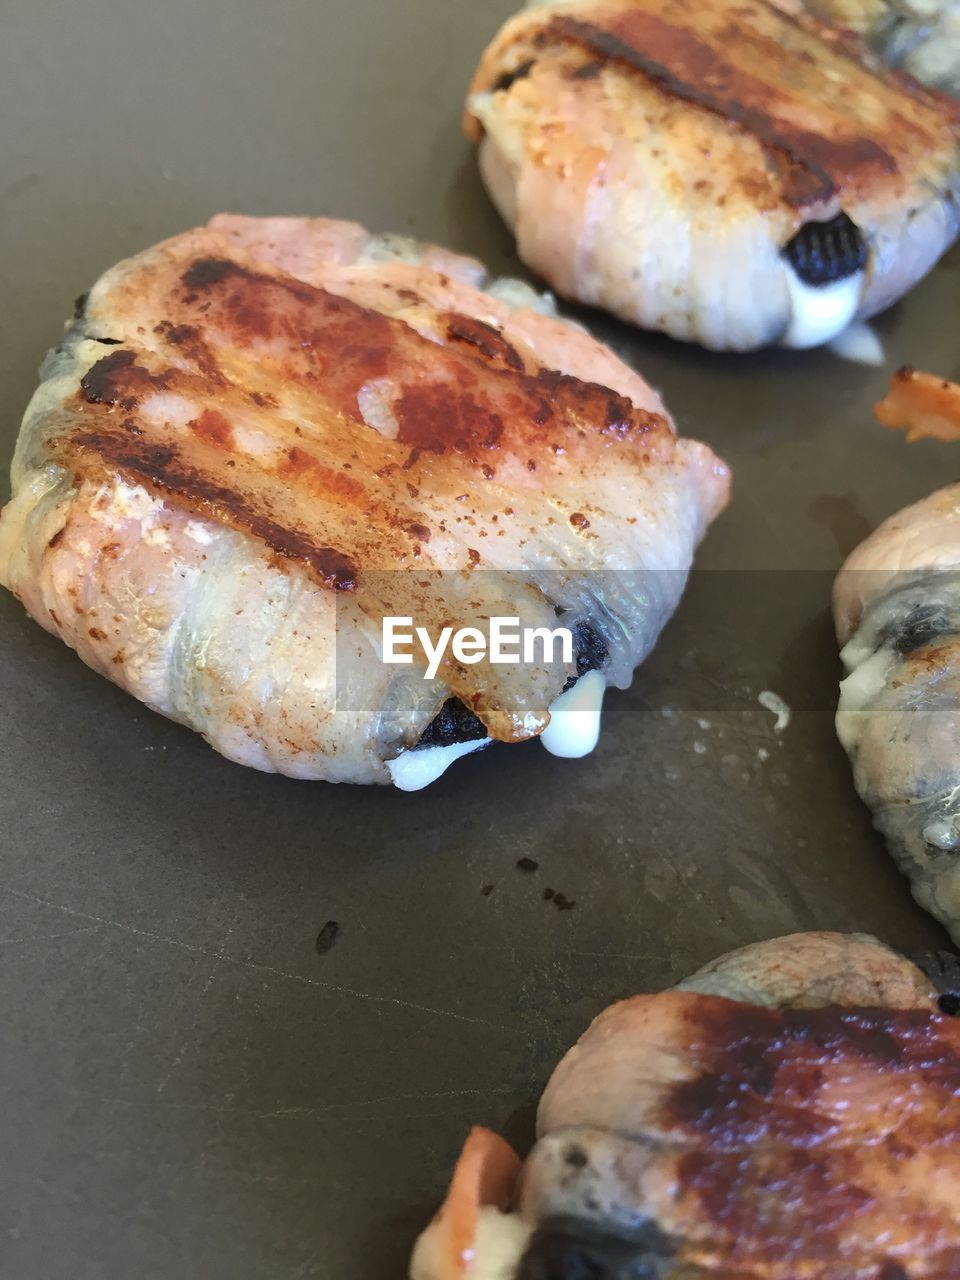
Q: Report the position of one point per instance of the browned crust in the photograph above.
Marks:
(161, 468)
(765, 72)
(799, 1121)
(333, 495)
(686, 67)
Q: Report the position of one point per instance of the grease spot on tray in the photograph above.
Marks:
(327, 937)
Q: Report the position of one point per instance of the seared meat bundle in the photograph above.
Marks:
(261, 438)
(793, 1110)
(724, 171)
(921, 36)
(897, 610)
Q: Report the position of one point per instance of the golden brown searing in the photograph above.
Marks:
(897, 610)
(724, 171)
(261, 437)
(792, 1110)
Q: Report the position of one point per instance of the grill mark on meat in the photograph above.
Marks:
(179, 334)
(117, 379)
(160, 467)
(207, 271)
(765, 1160)
(461, 401)
(489, 341)
(244, 340)
(689, 68)
(190, 344)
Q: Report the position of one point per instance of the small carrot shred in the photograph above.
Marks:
(485, 1174)
(926, 406)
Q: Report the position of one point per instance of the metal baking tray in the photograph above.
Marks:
(190, 1089)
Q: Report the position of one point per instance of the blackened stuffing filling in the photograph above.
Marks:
(456, 723)
(822, 253)
(567, 1248)
(923, 625)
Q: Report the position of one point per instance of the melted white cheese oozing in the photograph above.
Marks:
(860, 344)
(819, 312)
(943, 834)
(574, 727)
(867, 679)
(415, 770)
(499, 1244)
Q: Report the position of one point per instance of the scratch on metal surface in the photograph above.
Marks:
(253, 966)
(194, 1026)
(293, 1113)
(342, 1111)
(48, 937)
(621, 955)
(101, 920)
(366, 995)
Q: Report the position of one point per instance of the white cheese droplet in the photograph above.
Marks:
(574, 727)
(868, 677)
(774, 703)
(943, 834)
(860, 344)
(820, 312)
(414, 770)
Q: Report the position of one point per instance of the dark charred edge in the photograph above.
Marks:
(813, 183)
(569, 1248)
(453, 724)
(509, 78)
(99, 384)
(486, 339)
(159, 467)
(592, 649)
(943, 970)
(208, 271)
(80, 305)
(823, 253)
(922, 626)
(620, 415)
